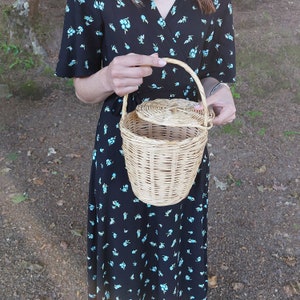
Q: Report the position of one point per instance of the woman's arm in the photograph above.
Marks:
(122, 76)
(219, 97)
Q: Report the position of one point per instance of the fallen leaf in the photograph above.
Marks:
(18, 198)
(57, 161)
(220, 185)
(44, 246)
(51, 151)
(37, 181)
(224, 267)
(260, 188)
(73, 155)
(292, 289)
(52, 225)
(77, 232)
(34, 267)
(237, 286)
(280, 187)
(290, 260)
(5, 170)
(64, 245)
(212, 281)
(261, 169)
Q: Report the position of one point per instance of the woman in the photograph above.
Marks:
(112, 48)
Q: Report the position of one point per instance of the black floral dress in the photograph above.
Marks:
(138, 251)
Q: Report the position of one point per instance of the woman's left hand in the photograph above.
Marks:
(223, 105)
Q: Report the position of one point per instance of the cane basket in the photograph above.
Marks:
(163, 144)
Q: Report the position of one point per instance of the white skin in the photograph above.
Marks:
(125, 73)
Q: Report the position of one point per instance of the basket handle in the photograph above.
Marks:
(188, 69)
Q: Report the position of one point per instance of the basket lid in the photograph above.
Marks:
(172, 112)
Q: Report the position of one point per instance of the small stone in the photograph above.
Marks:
(237, 286)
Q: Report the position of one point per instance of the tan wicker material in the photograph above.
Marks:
(176, 112)
(162, 157)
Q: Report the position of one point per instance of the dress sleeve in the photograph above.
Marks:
(80, 52)
(218, 56)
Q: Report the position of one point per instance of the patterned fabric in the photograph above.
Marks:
(138, 251)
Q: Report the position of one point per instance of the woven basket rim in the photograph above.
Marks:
(175, 112)
(141, 138)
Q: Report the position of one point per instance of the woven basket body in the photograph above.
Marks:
(163, 154)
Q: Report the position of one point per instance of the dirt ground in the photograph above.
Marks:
(46, 139)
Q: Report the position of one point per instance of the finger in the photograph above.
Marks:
(122, 73)
(126, 90)
(133, 59)
(224, 118)
(129, 81)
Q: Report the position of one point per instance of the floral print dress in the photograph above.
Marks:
(139, 251)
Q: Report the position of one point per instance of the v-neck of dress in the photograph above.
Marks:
(168, 12)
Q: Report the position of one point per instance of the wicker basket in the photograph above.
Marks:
(163, 144)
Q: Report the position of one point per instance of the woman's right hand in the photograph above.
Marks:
(122, 76)
(125, 73)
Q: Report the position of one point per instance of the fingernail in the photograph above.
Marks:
(162, 62)
(198, 106)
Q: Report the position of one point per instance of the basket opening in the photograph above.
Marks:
(150, 130)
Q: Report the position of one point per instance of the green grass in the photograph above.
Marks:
(234, 92)
(263, 71)
(267, 66)
(253, 114)
(15, 57)
(232, 128)
(290, 133)
(262, 131)
(12, 156)
(18, 198)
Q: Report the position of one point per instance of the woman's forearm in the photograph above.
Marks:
(122, 76)
(208, 84)
(93, 89)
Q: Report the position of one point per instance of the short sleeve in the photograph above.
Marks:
(218, 54)
(80, 52)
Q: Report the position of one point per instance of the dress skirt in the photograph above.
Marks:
(135, 250)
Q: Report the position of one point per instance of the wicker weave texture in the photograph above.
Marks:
(161, 161)
(161, 157)
(176, 112)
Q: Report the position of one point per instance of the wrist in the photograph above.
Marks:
(208, 84)
(218, 86)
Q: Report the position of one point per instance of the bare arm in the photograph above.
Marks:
(220, 98)
(122, 76)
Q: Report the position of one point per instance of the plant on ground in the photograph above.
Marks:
(12, 156)
(18, 198)
(290, 133)
(253, 114)
(234, 92)
(262, 131)
(232, 128)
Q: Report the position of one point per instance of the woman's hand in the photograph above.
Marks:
(122, 76)
(223, 105)
(125, 73)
